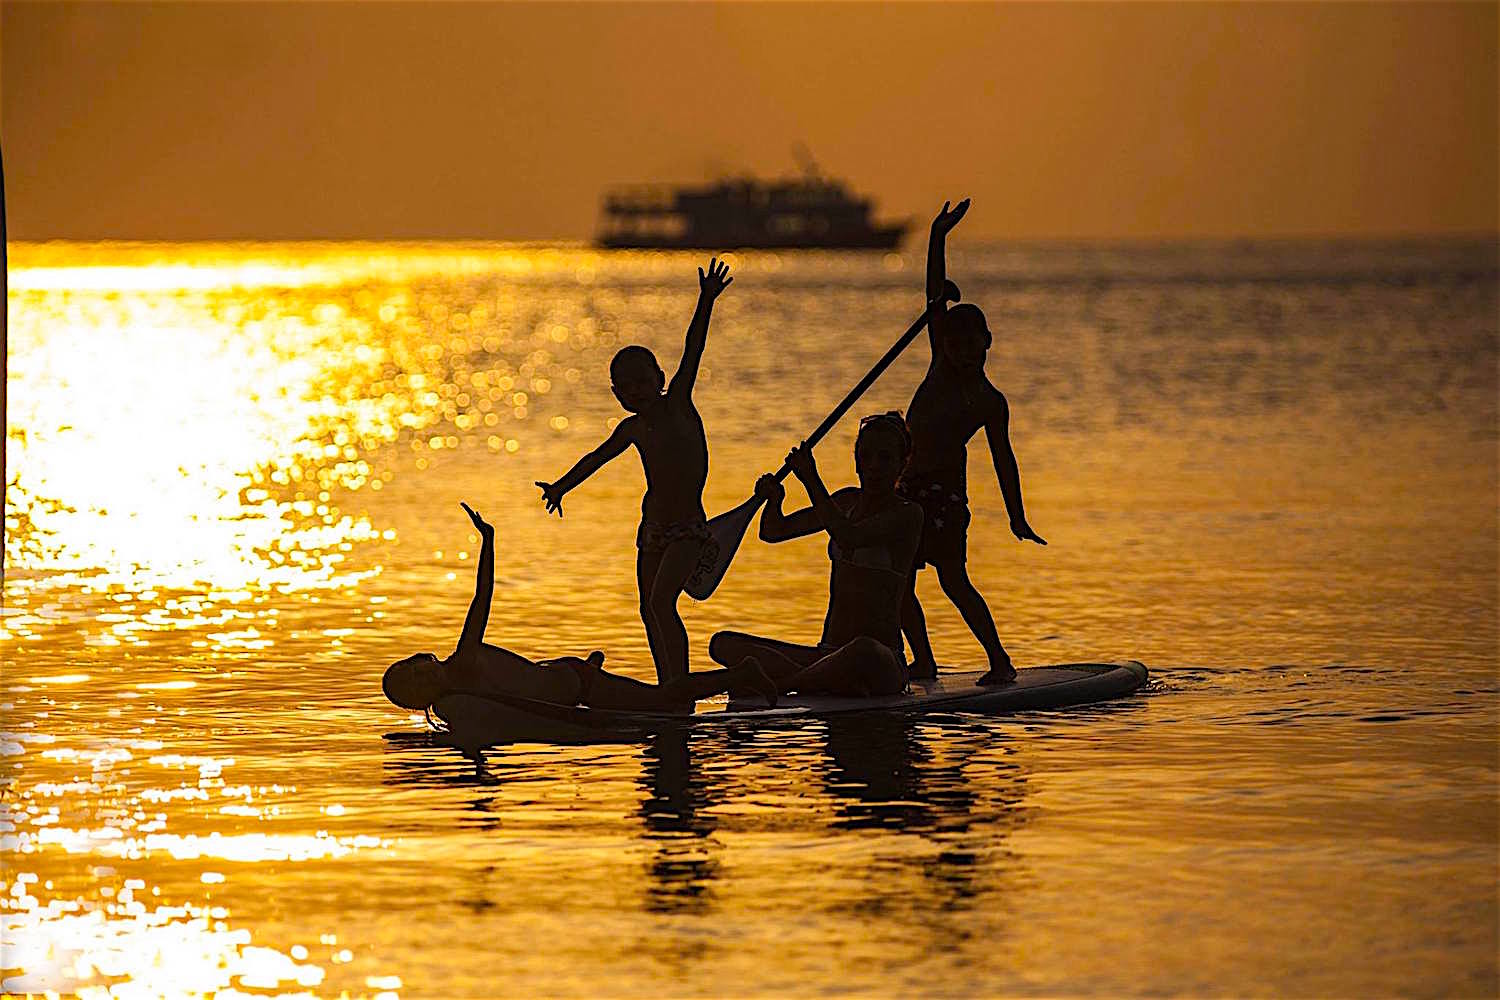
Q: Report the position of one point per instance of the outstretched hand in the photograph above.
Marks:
(1023, 532)
(552, 497)
(485, 528)
(712, 284)
(946, 220)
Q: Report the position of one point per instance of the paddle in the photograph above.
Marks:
(728, 529)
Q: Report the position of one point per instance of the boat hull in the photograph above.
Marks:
(879, 239)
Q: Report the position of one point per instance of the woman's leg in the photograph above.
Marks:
(863, 666)
(777, 658)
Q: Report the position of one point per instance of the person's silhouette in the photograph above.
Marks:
(674, 543)
(873, 535)
(954, 400)
(417, 682)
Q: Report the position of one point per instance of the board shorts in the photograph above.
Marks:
(945, 520)
(656, 536)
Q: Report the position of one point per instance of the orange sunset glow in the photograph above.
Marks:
(504, 121)
(1030, 478)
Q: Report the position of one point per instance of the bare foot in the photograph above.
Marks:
(756, 679)
(1002, 673)
(921, 671)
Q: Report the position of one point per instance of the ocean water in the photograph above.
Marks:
(1266, 469)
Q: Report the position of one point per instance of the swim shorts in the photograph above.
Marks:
(945, 520)
(656, 536)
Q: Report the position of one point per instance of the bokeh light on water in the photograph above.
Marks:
(95, 921)
(232, 485)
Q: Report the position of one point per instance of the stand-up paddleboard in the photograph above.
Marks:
(479, 720)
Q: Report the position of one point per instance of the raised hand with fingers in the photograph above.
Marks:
(552, 497)
(946, 220)
(485, 528)
(712, 284)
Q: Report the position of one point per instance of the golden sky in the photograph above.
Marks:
(505, 121)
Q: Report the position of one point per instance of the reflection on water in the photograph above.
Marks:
(679, 828)
(1267, 470)
(889, 775)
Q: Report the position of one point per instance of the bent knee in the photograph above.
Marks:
(872, 655)
(882, 670)
(728, 648)
(873, 651)
(717, 645)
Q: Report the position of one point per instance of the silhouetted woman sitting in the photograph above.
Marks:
(873, 537)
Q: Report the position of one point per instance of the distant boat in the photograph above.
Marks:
(810, 212)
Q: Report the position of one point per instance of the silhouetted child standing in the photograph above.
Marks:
(674, 543)
(954, 400)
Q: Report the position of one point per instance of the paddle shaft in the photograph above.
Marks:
(868, 380)
(728, 529)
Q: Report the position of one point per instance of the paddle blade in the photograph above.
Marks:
(728, 530)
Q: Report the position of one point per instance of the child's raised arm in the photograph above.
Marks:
(937, 265)
(620, 439)
(710, 287)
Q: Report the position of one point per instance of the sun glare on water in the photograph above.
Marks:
(180, 438)
(181, 416)
(121, 937)
(191, 431)
(149, 447)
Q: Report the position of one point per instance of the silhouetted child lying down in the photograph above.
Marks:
(418, 681)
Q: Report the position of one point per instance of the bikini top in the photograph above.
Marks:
(869, 557)
(865, 595)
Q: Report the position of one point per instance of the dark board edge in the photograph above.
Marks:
(525, 720)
